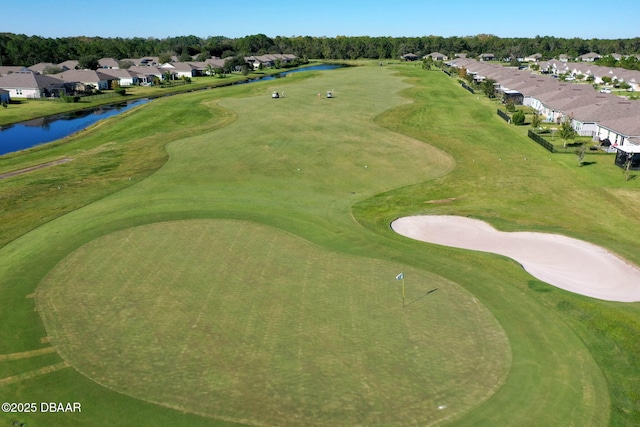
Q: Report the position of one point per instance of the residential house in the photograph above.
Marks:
(147, 73)
(533, 58)
(27, 84)
(71, 64)
(437, 56)
(124, 77)
(206, 68)
(180, 69)
(214, 63)
(487, 57)
(44, 67)
(588, 57)
(82, 80)
(109, 63)
(8, 69)
(621, 126)
(146, 61)
(603, 116)
(269, 60)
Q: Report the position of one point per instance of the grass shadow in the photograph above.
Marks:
(420, 298)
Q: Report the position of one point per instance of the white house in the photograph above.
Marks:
(437, 56)
(147, 73)
(125, 77)
(588, 57)
(27, 84)
(82, 79)
(180, 69)
(533, 58)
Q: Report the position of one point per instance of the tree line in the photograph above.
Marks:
(23, 50)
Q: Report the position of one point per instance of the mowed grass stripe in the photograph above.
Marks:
(244, 322)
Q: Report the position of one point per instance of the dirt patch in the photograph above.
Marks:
(33, 168)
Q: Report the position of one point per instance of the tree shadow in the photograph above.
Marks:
(589, 163)
(421, 297)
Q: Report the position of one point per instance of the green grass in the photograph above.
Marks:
(243, 322)
(315, 183)
(20, 110)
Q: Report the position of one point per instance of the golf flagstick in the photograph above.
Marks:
(401, 277)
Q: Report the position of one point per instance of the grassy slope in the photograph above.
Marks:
(551, 371)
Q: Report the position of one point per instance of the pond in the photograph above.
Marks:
(47, 129)
(29, 134)
(320, 67)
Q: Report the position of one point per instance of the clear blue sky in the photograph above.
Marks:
(236, 18)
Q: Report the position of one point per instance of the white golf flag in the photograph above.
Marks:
(400, 276)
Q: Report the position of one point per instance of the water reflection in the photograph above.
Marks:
(46, 129)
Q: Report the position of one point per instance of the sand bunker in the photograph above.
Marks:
(570, 264)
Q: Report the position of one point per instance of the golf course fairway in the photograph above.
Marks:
(239, 267)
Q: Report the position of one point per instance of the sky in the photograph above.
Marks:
(330, 18)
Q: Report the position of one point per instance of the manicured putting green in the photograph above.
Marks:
(244, 322)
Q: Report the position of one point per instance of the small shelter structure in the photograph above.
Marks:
(628, 152)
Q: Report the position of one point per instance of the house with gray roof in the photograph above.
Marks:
(621, 123)
(27, 84)
(8, 69)
(41, 67)
(533, 58)
(270, 60)
(108, 63)
(180, 69)
(146, 73)
(588, 57)
(437, 56)
(71, 64)
(603, 116)
(124, 77)
(81, 80)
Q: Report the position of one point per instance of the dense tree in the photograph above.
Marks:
(164, 58)
(489, 88)
(19, 49)
(88, 62)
